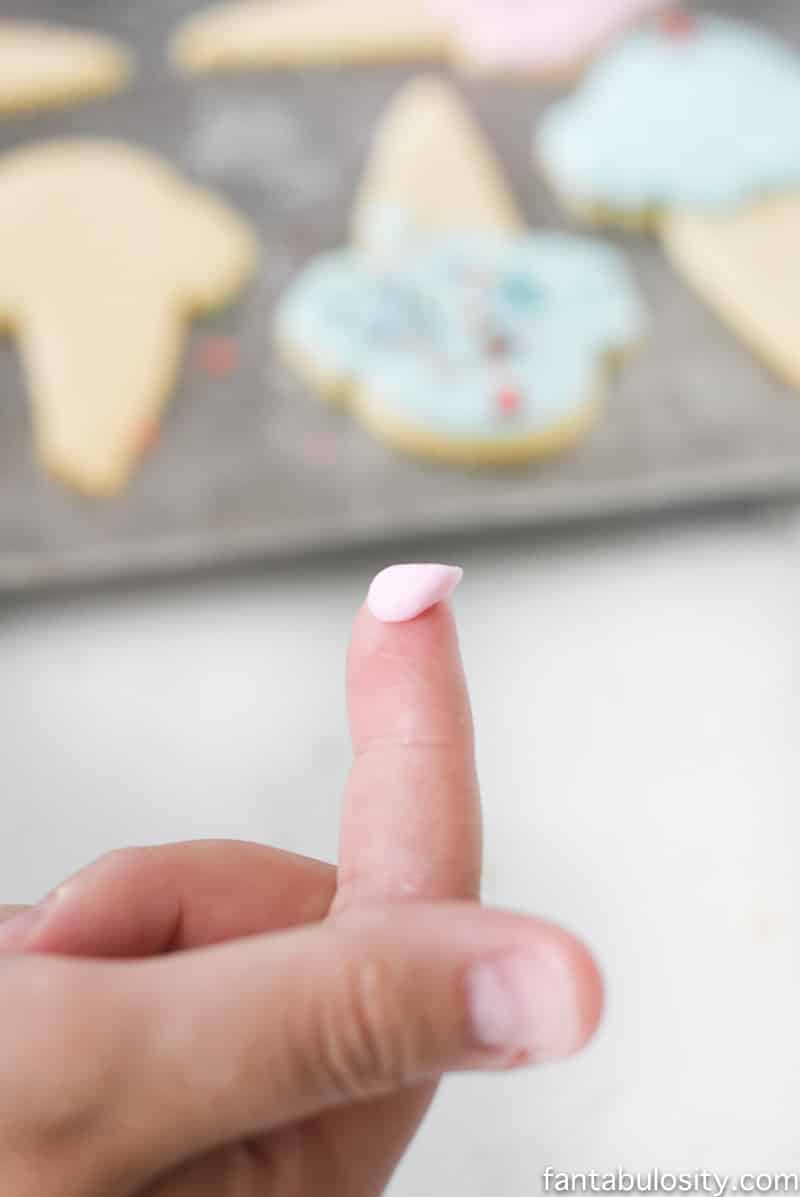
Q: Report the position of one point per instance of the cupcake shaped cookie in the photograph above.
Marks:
(466, 348)
(450, 330)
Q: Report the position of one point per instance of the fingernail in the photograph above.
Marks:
(18, 931)
(523, 1003)
(402, 592)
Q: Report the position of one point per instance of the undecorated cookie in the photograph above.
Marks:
(106, 254)
(747, 266)
(44, 66)
(693, 112)
(532, 37)
(432, 167)
(288, 33)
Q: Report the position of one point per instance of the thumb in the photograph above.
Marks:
(264, 1032)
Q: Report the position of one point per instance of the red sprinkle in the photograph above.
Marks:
(677, 22)
(497, 345)
(148, 435)
(509, 402)
(218, 356)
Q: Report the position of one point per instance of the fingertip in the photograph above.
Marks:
(591, 988)
(411, 823)
(538, 1002)
(405, 678)
(401, 593)
(587, 984)
(540, 998)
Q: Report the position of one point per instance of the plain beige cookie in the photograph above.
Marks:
(431, 162)
(43, 66)
(747, 267)
(106, 253)
(289, 33)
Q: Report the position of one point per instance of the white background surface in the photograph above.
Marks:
(637, 698)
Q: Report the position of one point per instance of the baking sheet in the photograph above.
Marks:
(253, 467)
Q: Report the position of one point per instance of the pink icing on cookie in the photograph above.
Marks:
(538, 34)
(402, 592)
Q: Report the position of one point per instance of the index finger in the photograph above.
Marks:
(411, 825)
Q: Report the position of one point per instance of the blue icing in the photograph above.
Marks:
(386, 227)
(445, 333)
(704, 118)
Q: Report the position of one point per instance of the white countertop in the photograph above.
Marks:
(637, 698)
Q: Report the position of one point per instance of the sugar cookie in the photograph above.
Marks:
(430, 164)
(691, 112)
(747, 266)
(44, 66)
(450, 330)
(470, 347)
(541, 38)
(106, 254)
(288, 33)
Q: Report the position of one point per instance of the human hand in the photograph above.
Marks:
(227, 1019)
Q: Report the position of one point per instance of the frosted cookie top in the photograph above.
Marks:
(697, 112)
(536, 35)
(471, 336)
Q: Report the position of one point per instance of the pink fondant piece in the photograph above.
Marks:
(402, 592)
(538, 34)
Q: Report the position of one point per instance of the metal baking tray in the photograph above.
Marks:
(252, 467)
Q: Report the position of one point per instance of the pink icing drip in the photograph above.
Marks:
(402, 592)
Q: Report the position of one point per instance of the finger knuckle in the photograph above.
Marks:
(366, 1043)
(123, 861)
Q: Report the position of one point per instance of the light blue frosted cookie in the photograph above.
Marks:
(468, 347)
(691, 112)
